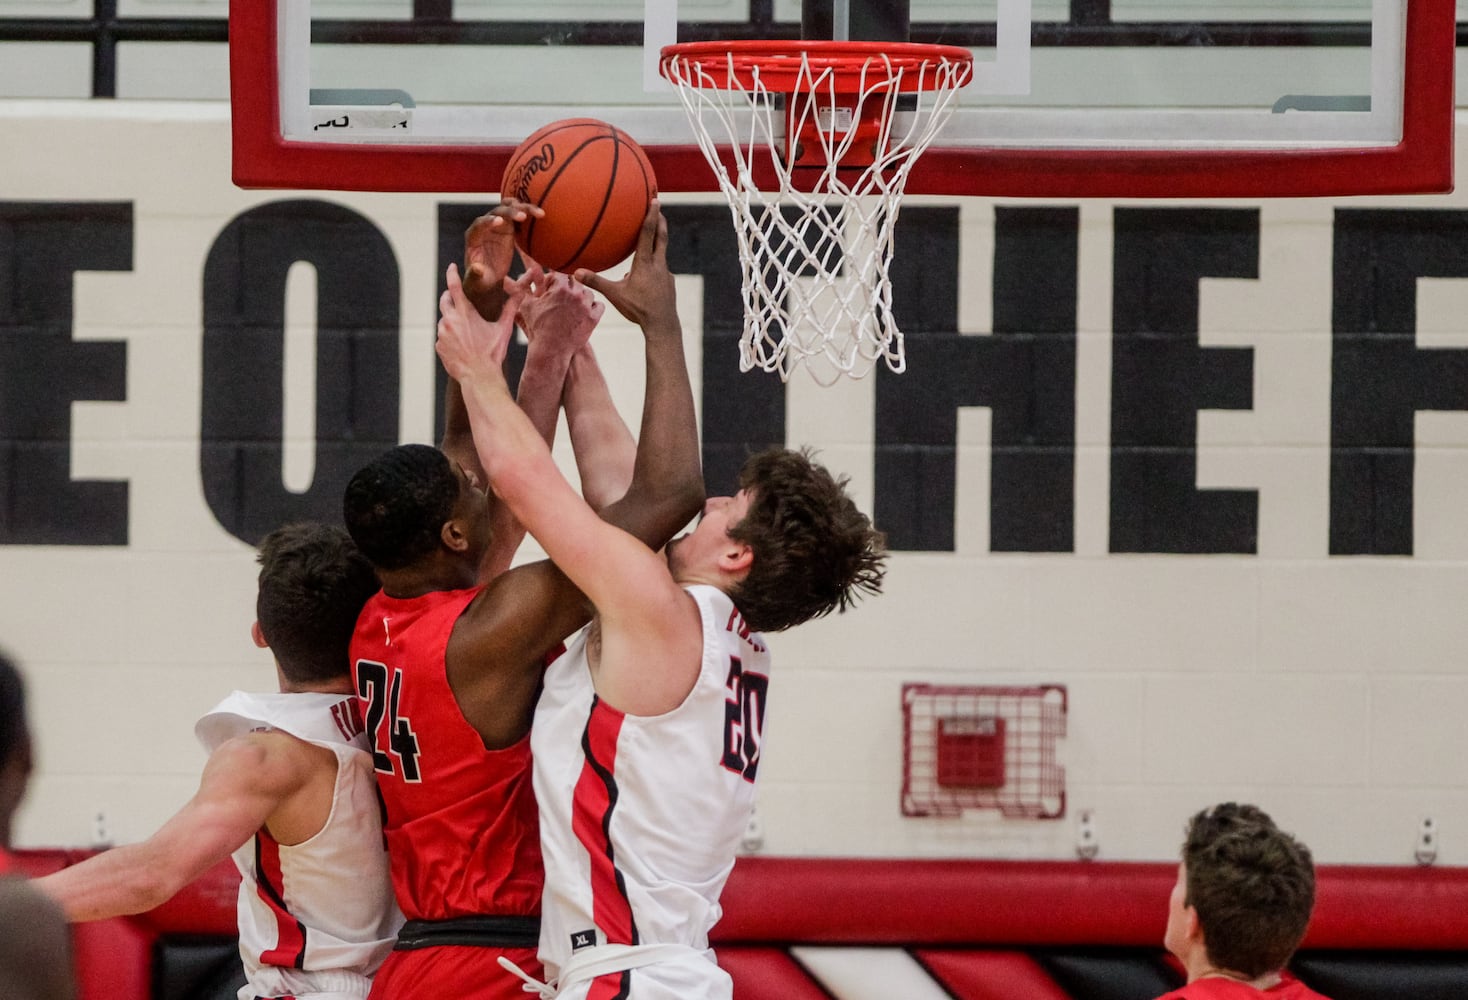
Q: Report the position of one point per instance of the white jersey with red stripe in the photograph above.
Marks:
(316, 919)
(640, 817)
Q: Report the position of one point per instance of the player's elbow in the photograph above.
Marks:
(687, 496)
(673, 503)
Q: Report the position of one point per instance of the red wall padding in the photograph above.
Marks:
(960, 918)
(1060, 903)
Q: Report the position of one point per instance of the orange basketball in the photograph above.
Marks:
(594, 183)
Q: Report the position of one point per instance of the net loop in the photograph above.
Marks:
(812, 143)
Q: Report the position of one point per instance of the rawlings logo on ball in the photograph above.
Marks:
(593, 184)
(518, 182)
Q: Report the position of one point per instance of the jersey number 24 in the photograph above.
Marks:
(384, 726)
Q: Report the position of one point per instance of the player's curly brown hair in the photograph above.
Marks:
(1252, 885)
(814, 551)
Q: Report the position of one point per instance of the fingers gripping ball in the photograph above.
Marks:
(594, 183)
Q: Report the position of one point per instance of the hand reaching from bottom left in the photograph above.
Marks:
(469, 345)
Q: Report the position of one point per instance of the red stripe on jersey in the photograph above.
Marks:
(290, 933)
(593, 801)
(612, 986)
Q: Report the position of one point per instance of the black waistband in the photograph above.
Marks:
(481, 932)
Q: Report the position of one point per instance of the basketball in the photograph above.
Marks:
(594, 183)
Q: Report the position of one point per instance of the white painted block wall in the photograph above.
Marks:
(1332, 691)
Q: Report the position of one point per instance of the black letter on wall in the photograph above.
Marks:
(742, 412)
(1379, 376)
(244, 361)
(42, 370)
(1025, 372)
(1161, 377)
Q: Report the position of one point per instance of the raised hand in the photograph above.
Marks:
(489, 250)
(556, 313)
(645, 294)
(468, 344)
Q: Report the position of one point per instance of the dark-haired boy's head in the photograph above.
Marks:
(1251, 885)
(312, 585)
(395, 506)
(813, 550)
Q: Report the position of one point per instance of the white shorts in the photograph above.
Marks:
(694, 977)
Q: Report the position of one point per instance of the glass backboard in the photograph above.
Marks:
(1129, 98)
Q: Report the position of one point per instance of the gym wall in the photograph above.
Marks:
(1200, 463)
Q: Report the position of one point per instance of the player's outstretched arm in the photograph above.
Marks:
(489, 250)
(244, 782)
(557, 319)
(606, 451)
(603, 445)
(667, 481)
(558, 316)
(626, 580)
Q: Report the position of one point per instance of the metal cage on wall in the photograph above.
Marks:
(982, 747)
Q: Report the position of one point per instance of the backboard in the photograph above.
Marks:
(1069, 98)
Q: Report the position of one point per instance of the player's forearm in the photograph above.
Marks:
(123, 880)
(542, 383)
(667, 480)
(508, 443)
(539, 399)
(458, 436)
(604, 446)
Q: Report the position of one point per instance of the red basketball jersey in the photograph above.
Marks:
(1216, 988)
(460, 821)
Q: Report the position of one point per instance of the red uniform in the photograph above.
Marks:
(1219, 988)
(7, 863)
(460, 821)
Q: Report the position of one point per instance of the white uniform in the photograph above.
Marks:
(640, 817)
(316, 919)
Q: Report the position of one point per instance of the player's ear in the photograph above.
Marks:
(258, 636)
(453, 536)
(736, 558)
(1193, 929)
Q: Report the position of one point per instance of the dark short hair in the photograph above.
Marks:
(313, 583)
(814, 551)
(13, 727)
(1252, 886)
(396, 506)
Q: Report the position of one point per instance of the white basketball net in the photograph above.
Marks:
(815, 257)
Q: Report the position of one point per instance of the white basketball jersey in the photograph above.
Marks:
(318, 918)
(640, 817)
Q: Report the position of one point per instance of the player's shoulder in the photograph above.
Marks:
(270, 759)
(515, 597)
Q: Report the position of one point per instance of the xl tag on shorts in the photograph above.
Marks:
(583, 939)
